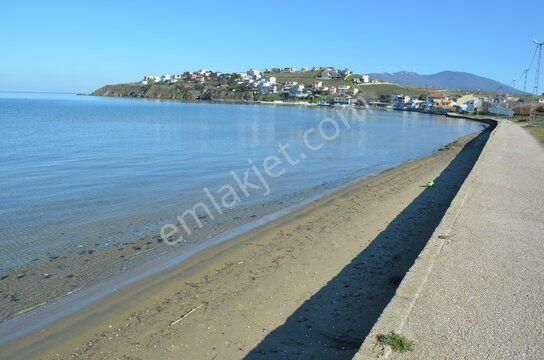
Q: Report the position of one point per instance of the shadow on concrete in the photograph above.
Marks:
(333, 323)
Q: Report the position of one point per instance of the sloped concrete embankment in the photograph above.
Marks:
(395, 316)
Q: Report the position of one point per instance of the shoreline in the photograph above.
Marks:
(46, 279)
(192, 267)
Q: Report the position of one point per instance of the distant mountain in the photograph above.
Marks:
(447, 80)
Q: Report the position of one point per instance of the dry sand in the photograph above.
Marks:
(309, 285)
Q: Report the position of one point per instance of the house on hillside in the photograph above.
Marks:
(297, 90)
(317, 85)
(254, 74)
(345, 73)
(267, 88)
(328, 73)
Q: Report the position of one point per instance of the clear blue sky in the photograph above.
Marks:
(81, 45)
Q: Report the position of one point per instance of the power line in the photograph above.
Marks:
(526, 70)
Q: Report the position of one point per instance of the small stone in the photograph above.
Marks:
(21, 275)
(46, 275)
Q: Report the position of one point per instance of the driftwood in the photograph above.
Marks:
(186, 314)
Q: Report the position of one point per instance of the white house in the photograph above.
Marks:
(204, 72)
(166, 78)
(397, 101)
(366, 79)
(317, 85)
(267, 88)
(297, 91)
(148, 79)
(474, 105)
(341, 100)
(255, 74)
(328, 73)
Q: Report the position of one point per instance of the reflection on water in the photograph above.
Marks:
(86, 171)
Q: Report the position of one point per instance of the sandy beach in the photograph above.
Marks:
(309, 285)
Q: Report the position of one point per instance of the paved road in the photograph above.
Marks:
(478, 292)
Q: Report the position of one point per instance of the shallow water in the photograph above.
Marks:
(87, 172)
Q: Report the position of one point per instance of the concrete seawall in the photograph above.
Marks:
(476, 289)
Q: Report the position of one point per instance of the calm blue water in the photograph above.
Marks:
(84, 170)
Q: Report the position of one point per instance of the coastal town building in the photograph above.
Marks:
(345, 73)
(319, 89)
(343, 100)
(474, 106)
(254, 74)
(317, 85)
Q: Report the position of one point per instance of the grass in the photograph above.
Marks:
(536, 128)
(305, 78)
(538, 132)
(396, 342)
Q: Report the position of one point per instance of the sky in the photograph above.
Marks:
(78, 46)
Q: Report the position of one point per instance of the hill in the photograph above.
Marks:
(226, 88)
(447, 80)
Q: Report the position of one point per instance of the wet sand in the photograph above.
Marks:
(309, 285)
(62, 272)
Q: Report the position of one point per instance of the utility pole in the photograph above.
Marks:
(514, 82)
(525, 80)
(537, 75)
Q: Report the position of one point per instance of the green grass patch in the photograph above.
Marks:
(535, 125)
(305, 78)
(537, 132)
(396, 342)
